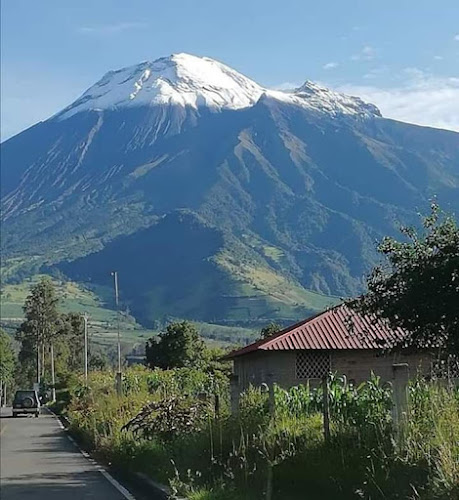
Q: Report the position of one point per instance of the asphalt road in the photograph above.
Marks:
(39, 461)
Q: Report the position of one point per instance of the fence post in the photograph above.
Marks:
(235, 394)
(272, 400)
(119, 383)
(268, 387)
(400, 375)
(326, 408)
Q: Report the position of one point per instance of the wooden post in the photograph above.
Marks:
(119, 383)
(400, 375)
(235, 394)
(326, 408)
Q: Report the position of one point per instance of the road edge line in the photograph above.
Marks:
(121, 489)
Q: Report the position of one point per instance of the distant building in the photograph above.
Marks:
(337, 340)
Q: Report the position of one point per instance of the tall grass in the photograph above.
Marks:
(213, 455)
(432, 435)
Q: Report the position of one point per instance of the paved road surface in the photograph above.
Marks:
(38, 462)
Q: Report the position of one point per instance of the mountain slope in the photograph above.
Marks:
(259, 198)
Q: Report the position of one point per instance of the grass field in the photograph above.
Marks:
(265, 293)
(75, 298)
(95, 302)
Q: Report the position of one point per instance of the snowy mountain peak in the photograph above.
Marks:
(319, 96)
(316, 98)
(190, 81)
(180, 79)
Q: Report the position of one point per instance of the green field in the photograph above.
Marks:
(264, 293)
(79, 299)
(103, 330)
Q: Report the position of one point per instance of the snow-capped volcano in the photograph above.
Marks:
(190, 81)
(180, 79)
(216, 198)
(321, 97)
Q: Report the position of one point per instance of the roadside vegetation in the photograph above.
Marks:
(173, 420)
(7, 364)
(175, 425)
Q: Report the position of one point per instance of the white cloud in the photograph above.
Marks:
(111, 29)
(367, 53)
(330, 65)
(438, 58)
(422, 99)
(456, 37)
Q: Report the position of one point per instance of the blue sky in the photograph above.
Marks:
(402, 55)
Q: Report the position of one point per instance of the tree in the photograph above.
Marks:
(418, 288)
(7, 362)
(7, 357)
(69, 341)
(39, 328)
(180, 345)
(98, 361)
(269, 329)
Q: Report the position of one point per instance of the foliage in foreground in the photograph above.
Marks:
(419, 288)
(178, 435)
(7, 358)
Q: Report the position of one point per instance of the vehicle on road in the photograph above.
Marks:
(26, 402)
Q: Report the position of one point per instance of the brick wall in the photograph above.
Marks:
(256, 367)
(358, 365)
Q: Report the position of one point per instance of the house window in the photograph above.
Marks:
(312, 364)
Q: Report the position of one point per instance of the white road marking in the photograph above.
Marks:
(97, 466)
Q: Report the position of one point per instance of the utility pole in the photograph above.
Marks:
(38, 360)
(38, 363)
(118, 375)
(85, 318)
(53, 378)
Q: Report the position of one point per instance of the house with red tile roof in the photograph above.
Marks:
(338, 340)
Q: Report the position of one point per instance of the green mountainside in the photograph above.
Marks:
(236, 217)
(98, 303)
